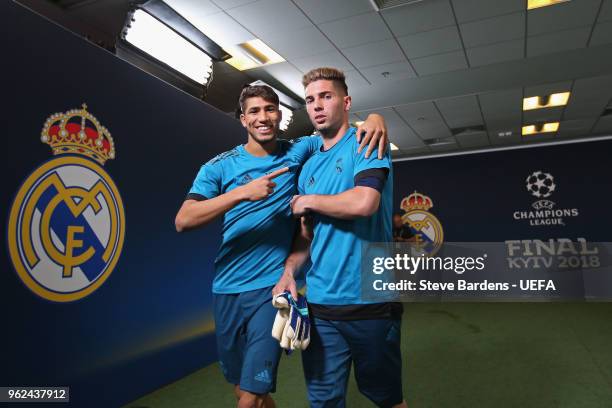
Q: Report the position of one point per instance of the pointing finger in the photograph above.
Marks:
(276, 173)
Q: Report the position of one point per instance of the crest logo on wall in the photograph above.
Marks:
(427, 230)
(542, 185)
(67, 223)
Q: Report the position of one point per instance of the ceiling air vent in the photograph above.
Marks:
(437, 141)
(468, 130)
(387, 4)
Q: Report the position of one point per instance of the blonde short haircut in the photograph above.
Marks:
(330, 74)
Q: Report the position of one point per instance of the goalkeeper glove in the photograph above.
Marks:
(292, 324)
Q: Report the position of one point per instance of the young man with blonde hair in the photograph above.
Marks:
(345, 201)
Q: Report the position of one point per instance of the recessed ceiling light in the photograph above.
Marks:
(533, 4)
(394, 147)
(252, 54)
(540, 128)
(546, 101)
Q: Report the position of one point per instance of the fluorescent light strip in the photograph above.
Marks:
(556, 99)
(533, 4)
(158, 40)
(546, 128)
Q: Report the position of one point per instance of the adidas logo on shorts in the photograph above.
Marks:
(264, 376)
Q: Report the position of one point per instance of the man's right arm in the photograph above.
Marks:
(300, 252)
(194, 213)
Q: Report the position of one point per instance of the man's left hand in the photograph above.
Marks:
(373, 133)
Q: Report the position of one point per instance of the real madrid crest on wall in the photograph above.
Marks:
(67, 223)
(427, 230)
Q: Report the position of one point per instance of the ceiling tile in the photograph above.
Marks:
(392, 118)
(562, 16)
(493, 30)
(431, 42)
(469, 10)
(542, 115)
(576, 127)
(440, 63)
(352, 31)
(602, 34)
(221, 28)
(547, 89)
(302, 43)
(425, 119)
(355, 80)
(321, 11)
(399, 132)
(422, 16)
(606, 11)
(374, 54)
(495, 53)
(193, 10)
(558, 41)
(460, 111)
(418, 111)
(228, 4)
(328, 59)
(414, 151)
(603, 126)
(473, 140)
(589, 97)
(270, 16)
(502, 110)
(395, 71)
(404, 138)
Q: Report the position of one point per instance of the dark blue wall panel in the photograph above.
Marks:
(150, 322)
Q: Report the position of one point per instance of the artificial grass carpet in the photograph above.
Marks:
(461, 355)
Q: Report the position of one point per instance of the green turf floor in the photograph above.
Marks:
(462, 355)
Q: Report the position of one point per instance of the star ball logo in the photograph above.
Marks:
(542, 185)
(427, 229)
(67, 223)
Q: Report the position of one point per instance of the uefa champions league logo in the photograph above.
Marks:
(540, 184)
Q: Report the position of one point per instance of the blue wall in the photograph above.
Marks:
(476, 195)
(150, 322)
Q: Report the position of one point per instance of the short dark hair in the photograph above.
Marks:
(330, 74)
(253, 91)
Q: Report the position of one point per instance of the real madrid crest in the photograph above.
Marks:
(67, 223)
(427, 230)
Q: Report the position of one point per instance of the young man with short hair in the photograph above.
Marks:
(250, 186)
(347, 201)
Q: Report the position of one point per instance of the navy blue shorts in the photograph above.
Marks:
(248, 354)
(372, 345)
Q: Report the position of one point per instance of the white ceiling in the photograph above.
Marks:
(432, 66)
(420, 47)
